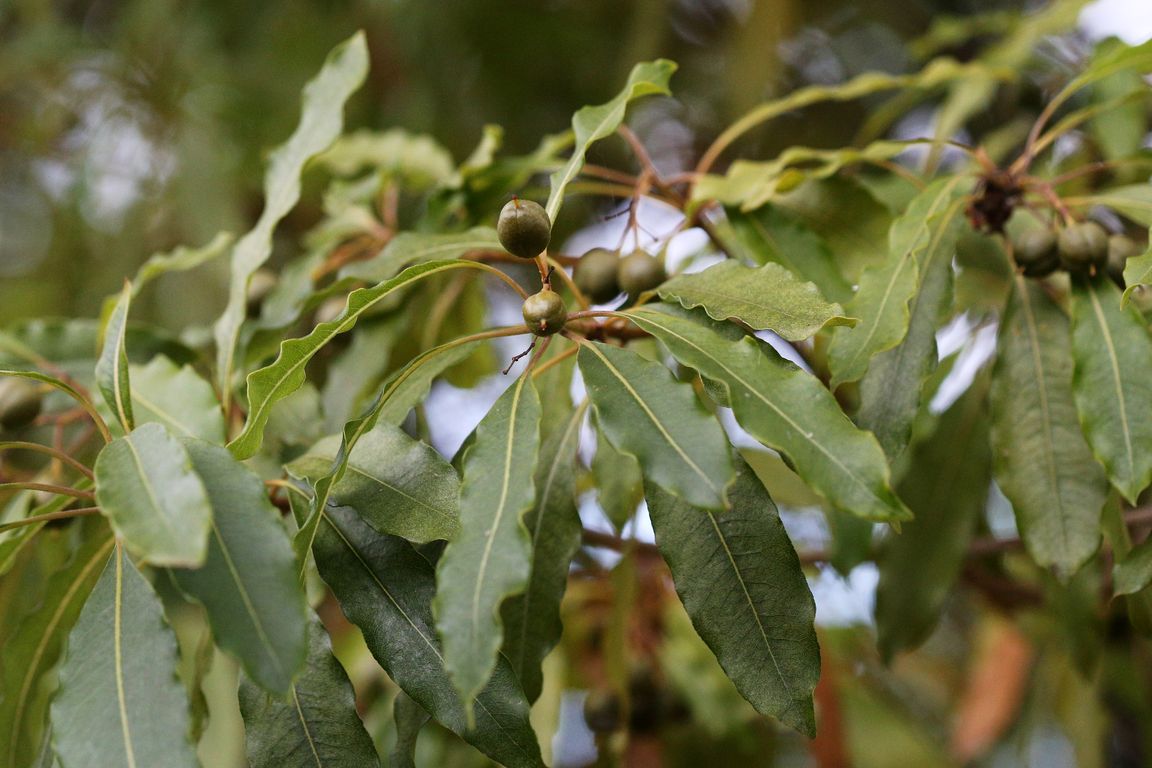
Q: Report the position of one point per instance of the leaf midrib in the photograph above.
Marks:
(1109, 344)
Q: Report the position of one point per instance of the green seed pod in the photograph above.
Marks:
(1036, 253)
(595, 275)
(1083, 247)
(20, 402)
(545, 313)
(1120, 249)
(639, 272)
(523, 228)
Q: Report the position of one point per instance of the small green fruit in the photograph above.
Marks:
(1083, 247)
(1036, 253)
(523, 228)
(545, 313)
(20, 402)
(639, 272)
(595, 275)
(1120, 249)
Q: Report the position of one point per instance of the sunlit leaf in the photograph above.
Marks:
(112, 365)
(177, 398)
(409, 248)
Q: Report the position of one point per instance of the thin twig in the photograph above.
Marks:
(53, 452)
(63, 514)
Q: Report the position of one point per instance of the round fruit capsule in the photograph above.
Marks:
(639, 272)
(595, 275)
(1036, 253)
(1120, 249)
(523, 228)
(544, 312)
(20, 402)
(1083, 246)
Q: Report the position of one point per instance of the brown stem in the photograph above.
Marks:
(53, 452)
(63, 514)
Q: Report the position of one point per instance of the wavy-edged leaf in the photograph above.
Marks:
(931, 223)
(740, 581)
(285, 374)
(399, 485)
(321, 121)
(119, 701)
(409, 718)
(416, 159)
(177, 398)
(146, 486)
(417, 247)
(1112, 383)
(356, 371)
(767, 298)
(1043, 463)
(532, 619)
(645, 412)
(180, 259)
(386, 588)
(491, 557)
(1137, 272)
(35, 645)
(112, 365)
(248, 581)
(315, 725)
(946, 485)
(592, 123)
(783, 407)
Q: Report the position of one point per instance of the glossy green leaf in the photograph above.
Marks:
(248, 581)
(532, 619)
(946, 485)
(34, 647)
(783, 407)
(386, 588)
(146, 486)
(1043, 463)
(315, 725)
(590, 124)
(398, 485)
(410, 718)
(112, 365)
(177, 398)
(321, 122)
(491, 558)
(766, 298)
(741, 583)
(119, 701)
(645, 412)
(409, 248)
(1112, 383)
(931, 223)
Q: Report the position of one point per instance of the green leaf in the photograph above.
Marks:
(410, 718)
(112, 366)
(784, 408)
(619, 481)
(645, 412)
(532, 620)
(177, 398)
(590, 124)
(398, 485)
(931, 223)
(248, 581)
(416, 159)
(492, 556)
(409, 248)
(315, 725)
(286, 373)
(146, 486)
(180, 259)
(357, 370)
(1121, 98)
(321, 121)
(119, 701)
(1137, 273)
(1043, 464)
(386, 588)
(35, 646)
(1112, 383)
(1133, 201)
(766, 298)
(1134, 572)
(740, 581)
(946, 485)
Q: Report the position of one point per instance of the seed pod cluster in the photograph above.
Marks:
(602, 275)
(1083, 248)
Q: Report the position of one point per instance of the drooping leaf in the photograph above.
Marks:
(146, 486)
(592, 123)
(398, 485)
(248, 581)
(409, 248)
(945, 485)
(112, 366)
(532, 619)
(386, 588)
(491, 557)
(1043, 463)
(767, 298)
(35, 645)
(176, 397)
(741, 583)
(931, 223)
(619, 482)
(1112, 383)
(119, 701)
(645, 412)
(783, 407)
(410, 718)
